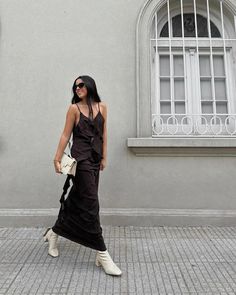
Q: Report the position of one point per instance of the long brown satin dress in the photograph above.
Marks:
(79, 219)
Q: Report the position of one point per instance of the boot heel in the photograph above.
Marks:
(45, 235)
(97, 262)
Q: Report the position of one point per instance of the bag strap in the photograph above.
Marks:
(70, 144)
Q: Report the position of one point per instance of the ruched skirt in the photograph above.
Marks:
(79, 220)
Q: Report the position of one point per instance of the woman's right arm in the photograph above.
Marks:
(65, 137)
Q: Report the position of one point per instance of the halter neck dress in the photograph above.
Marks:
(79, 220)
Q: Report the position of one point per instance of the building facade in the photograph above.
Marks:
(166, 70)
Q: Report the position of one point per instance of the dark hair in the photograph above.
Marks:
(92, 92)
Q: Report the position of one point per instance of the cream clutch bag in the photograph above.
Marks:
(68, 164)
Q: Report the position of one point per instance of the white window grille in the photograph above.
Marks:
(193, 74)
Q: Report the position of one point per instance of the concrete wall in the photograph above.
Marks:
(44, 46)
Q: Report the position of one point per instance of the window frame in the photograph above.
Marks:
(184, 43)
(142, 136)
(193, 103)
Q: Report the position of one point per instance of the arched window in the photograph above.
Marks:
(192, 69)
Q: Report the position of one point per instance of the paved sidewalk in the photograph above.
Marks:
(154, 260)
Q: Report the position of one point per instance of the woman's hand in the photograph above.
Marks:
(103, 164)
(57, 166)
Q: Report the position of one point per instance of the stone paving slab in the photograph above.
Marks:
(154, 260)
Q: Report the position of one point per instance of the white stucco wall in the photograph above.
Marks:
(44, 46)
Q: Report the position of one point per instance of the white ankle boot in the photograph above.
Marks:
(104, 259)
(51, 237)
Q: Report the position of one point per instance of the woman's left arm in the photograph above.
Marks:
(104, 148)
(65, 137)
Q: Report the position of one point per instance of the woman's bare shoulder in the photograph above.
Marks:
(103, 104)
(103, 108)
(72, 108)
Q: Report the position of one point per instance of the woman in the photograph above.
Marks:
(79, 220)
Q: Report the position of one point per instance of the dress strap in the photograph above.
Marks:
(98, 106)
(78, 108)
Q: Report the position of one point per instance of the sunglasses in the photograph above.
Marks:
(80, 85)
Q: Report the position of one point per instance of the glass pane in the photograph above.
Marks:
(179, 108)
(221, 108)
(218, 62)
(177, 26)
(165, 30)
(207, 107)
(178, 65)
(164, 65)
(202, 25)
(215, 33)
(220, 89)
(165, 119)
(189, 27)
(206, 119)
(165, 107)
(205, 68)
(206, 92)
(165, 88)
(179, 89)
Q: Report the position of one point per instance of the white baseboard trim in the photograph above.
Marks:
(168, 212)
(127, 212)
(125, 217)
(29, 212)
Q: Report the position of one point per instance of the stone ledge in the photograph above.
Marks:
(182, 146)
